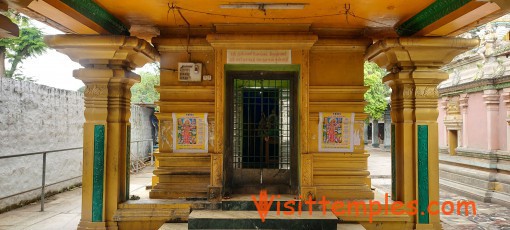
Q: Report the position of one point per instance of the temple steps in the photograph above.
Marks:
(184, 226)
(182, 171)
(245, 203)
(207, 219)
(256, 188)
(181, 175)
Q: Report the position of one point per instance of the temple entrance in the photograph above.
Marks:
(261, 149)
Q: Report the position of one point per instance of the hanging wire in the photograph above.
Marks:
(189, 34)
(174, 8)
(347, 12)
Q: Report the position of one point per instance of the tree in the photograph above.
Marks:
(377, 92)
(30, 43)
(144, 91)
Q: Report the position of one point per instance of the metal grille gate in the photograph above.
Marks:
(261, 124)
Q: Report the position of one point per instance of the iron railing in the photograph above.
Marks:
(43, 176)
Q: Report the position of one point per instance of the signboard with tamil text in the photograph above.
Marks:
(259, 57)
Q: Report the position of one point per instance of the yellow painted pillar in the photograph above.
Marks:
(414, 65)
(107, 62)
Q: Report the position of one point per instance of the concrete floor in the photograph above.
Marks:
(63, 210)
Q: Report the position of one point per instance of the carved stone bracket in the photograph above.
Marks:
(491, 99)
(463, 102)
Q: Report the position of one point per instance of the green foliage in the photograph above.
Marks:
(377, 92)
(144, 91)
(30, 43)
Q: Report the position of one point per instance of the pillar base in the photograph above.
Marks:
(375, 145)
(214, 193)
(87, 225)
(425, 227)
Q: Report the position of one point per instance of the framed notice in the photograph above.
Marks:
(336, 132)
(190, 132)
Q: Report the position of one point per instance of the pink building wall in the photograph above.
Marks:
(502, 124)
(477, 122)
(441, 126)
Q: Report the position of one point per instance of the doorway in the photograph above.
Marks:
(260, 146)
(453, 141)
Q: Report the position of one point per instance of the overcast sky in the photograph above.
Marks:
(53, 68)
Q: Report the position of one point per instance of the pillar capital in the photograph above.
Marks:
(396, 54)
(101, 51)
(414, 65)
(463, 101)
(491, 99)
(443, 103)
(506, 96)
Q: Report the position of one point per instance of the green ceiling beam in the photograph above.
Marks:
(100, 16)
(429, 15)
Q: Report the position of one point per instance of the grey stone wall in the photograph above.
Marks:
(36, 118)
(140, 130)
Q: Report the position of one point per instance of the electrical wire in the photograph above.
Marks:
(347, 12)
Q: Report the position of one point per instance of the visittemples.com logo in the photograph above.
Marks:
(372, 208)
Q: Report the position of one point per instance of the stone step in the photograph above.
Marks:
(175, 194)
(196, 187)
(247, 204)
(184, 226)
(256, 188)
(206, 219)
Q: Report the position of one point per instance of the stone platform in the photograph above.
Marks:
(208, 219)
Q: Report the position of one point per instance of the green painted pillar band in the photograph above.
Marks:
(128, 159)
(98, 174)
(393, 165)
(423, 174)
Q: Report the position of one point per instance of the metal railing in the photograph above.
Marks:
(43, 176)
(135, 163)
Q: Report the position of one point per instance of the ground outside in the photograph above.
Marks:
(62, 211)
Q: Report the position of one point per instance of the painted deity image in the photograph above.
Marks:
(332, 130)
(335, 132)
(190, 132)
(187, 131)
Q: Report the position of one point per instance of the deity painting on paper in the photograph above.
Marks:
(335, 132)
(190, 132)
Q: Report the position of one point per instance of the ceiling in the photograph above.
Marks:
(149, 17)
(379, 13)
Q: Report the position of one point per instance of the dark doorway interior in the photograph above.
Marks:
(261, 149)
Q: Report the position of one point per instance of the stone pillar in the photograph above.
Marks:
(414, 65)
(107, 62)
(375, 133)
(491, 99)
(387, 128)
(463, 103)
(506, 99)
(365, 133)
